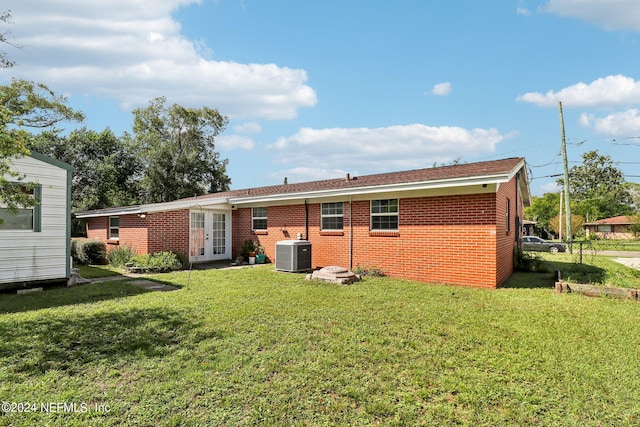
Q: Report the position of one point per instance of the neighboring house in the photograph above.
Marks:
(35, 243)
(611, 228)
(457, 224)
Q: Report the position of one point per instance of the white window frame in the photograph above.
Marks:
(254, 218)
(379, 214)
(331, 215)
(16, 222)
(111, 228)
(508, 215)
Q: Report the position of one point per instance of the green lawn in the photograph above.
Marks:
(594, 269)
(258, 347)
(610, 245)
(93, 271)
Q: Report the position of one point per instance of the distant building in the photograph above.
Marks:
(611, 228)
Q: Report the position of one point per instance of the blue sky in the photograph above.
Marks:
(318, 89)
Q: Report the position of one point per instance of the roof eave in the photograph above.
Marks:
(220, 202)
(373, 189)
(127, 210)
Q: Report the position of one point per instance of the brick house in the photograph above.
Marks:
(616, 227)
(458, 224)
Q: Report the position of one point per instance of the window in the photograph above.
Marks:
(114, 227)
(384, 214)
(604, 228)
(28, 218)
(259, 218)
(197, 234)
(332, 216)
(508, 215)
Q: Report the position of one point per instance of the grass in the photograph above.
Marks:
(594, 269)
(610, 245)
(93, 271)
(258, 347)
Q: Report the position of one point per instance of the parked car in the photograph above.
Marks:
(534, 243)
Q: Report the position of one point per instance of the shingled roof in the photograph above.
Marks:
(617, 220)
(451, 173)
(468, 170)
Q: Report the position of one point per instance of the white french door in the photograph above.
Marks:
(209, 235)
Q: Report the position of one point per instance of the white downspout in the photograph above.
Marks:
(350, 235)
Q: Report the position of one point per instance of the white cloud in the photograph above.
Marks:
(551, 187)
(624, 123)
(610, 14)
(604, 92)
(441, 89)
(234, 142)
(390, 148)
(133, 51)
(523, 11)
(248, 128)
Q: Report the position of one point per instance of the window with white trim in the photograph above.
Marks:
(114, 227)
(384, 215)
(259, 218)
(508, 215)
(332, 216)
(27, 218)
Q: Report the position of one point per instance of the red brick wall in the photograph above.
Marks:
(444, 239)
(169, 231)
(162, 231)
(459, 240)
(97, 228)
(508, 239)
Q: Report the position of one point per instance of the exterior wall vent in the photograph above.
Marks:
(293, 255)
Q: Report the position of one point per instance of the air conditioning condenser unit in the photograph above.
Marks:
(293, 255)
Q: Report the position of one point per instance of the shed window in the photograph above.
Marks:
(384, 214)
(114, 227)
(29, 218)
(604, 228)
(332, 216)
(259, 218)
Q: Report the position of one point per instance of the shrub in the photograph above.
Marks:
(368, 271)
(247, 247)
(158, 262)
(528, 262)
(88, 251)
(120, 255)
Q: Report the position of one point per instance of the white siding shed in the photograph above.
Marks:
(40, 251)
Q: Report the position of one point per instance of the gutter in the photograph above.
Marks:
(373, 189)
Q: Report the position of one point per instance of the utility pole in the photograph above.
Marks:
(560, 216)
(567, 205)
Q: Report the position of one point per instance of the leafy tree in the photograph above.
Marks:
(598, 188)
(177, 145)
(24, 105)
(577, 224)
(634, 227)
(5, 62)
(106, 168)
(543, 208)
(634, 193)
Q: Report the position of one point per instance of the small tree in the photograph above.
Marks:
(634, 227)
(598, 188)
(577, 222)
(25, 104)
